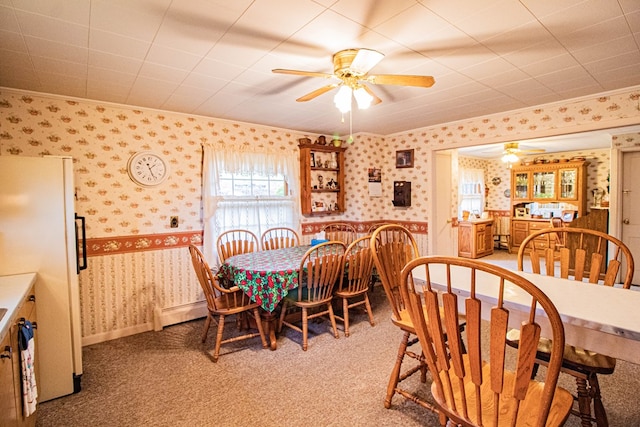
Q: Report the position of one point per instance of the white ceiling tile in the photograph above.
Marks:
(107, 91)
(613, 63)
(207, 83)
(76, 11)
(8, 20)
(413, 26)
(633, 20)
(612, 29)
(490, 20)
(137, 19)
(567, 78)
(371, 13)
(172, 57)
(118, 44)
(111, 77)
(222, 70)
(580, 15)
(12, 41)
(15, 59)
(49, 28)
(50, 81)
(51, 49)
(56, 66)
(608, 49)
(146, 91)
(109, 61)
(160, 72)
(187, 98)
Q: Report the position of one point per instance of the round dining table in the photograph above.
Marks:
(266, 277)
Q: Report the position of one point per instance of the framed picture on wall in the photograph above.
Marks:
(404, 158)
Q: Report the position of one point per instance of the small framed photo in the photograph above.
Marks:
(313, 160)
(404, 159)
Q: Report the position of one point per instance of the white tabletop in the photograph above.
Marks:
(596, 317)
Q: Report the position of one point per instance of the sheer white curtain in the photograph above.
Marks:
(471, 190)
(252, 213)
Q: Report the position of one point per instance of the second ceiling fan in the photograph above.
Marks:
(351, 74)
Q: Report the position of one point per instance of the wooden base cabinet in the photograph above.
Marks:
(11, 407)
(475, 238)
(521, 228)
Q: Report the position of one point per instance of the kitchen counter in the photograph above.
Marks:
(13, 290)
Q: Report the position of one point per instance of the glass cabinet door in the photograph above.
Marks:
(568, 187)
(544, 185)
(521, 187)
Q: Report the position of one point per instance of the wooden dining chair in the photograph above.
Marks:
(484, 384)
(598, 258)
(235, 242)
(341, 232)
(222, 302)
(392, 246)
(319, 271)
(355, 279)
(278, 238)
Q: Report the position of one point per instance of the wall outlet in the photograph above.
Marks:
(174, 222)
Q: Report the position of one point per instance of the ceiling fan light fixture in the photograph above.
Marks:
(363, 98)
(342, 99)
(510, 158)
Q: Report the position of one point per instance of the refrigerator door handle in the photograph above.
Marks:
(81, 240)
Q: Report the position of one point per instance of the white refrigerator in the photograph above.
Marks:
(39, 233)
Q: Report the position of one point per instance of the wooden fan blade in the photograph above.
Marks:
(401, 80)
(365, 60)
(302, 73)
(317, 92)
(376, 100)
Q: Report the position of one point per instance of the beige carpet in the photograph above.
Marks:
(166, 379)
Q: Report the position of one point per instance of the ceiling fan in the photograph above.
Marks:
(351, 74)
(512, 149)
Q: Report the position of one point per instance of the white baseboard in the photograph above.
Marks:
(171, 315)
(161, 317)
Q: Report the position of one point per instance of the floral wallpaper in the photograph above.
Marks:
(139, 273)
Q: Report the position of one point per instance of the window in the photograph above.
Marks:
(255, 202)
(251, 190)
(471, 191)
(252, 185)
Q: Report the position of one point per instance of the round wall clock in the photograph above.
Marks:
(147, 168)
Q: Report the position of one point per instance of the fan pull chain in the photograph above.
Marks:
(350, 140)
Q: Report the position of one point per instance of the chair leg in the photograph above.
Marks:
(367, 305)
(395, 373)
(332, 317)
(305, 328)
(345, 315)
(216, 351)
(258, 319)
(207, 324)
(283, 312)
(598, 408)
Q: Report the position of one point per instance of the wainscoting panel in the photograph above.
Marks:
(121, 293)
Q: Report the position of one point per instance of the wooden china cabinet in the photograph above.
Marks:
(321, 179)
(560, 185)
